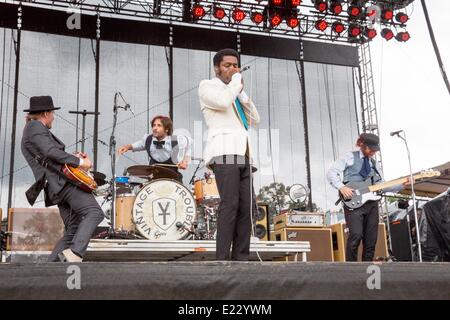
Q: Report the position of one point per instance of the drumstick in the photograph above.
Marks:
(166, 165)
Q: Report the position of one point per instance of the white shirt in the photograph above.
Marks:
(163, 154)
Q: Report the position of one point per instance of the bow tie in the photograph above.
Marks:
(159, 144)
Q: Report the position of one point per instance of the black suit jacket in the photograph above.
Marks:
(38, 140)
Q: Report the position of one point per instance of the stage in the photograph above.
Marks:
(225, 280)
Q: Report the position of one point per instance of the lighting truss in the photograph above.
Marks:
(180, 12)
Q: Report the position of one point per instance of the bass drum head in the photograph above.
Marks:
(164, 209)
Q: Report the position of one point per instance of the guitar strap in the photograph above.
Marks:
(375, 169)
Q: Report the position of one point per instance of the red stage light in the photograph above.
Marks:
(387, 34)
(321, 25)
(219, 13)
(402, 17)
(354, 31)
(257, 17)
(336, 8)
(321, 5)
(354, 11)
(370, 33)
(277, 2)
(338, 27)
(198, 11)
(275, 20)
(295, 3)
(292, 22)
(403, 36)
(387, 14)
(238, 15)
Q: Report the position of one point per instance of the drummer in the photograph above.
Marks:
(163, 147)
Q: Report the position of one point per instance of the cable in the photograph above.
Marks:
(435, 46)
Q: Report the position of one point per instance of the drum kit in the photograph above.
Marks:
(150, 203)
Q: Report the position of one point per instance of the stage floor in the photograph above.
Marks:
(225, 280)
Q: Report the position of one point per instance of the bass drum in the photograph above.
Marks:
(164, 209)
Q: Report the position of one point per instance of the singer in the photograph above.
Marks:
(163, 147)
(362, 222)
(229, 113)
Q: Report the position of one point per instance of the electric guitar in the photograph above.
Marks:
(363, 191)
(81, 178)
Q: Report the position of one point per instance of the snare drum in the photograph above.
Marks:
(206, 192)
(124, 212)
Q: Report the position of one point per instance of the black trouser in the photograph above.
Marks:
(363, 225)
(233, 222)
(81, 215)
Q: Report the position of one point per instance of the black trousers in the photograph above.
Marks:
(81, 215)
(237, 203)
(363, 226)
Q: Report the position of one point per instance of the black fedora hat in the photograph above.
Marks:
(41, 104)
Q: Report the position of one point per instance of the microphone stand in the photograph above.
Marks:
(419, 246)
(112, 154)
(195, 172)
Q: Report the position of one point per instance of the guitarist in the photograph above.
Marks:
(362, 222)
(45, 155)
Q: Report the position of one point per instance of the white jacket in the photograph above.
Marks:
(226, 132)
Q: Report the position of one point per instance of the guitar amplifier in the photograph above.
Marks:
(299, 219)
(33, 229)
(320, 240)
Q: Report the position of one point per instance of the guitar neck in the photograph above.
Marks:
(388, 184)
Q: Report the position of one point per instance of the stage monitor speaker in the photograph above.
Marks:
(401, 240)
(319, 239)
(340, 235)
(33, 229)
(262, 222)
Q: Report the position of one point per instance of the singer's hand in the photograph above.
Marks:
(124, 149)
(346, 192)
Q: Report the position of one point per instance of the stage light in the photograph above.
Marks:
(257, 17)
(354, 11)
(295, 3)
(292, 22)
(354, 30)
(198, 11)
(275, 19)
(219, 13)
(387, 14)
(336, 7)
(402, 36)
(387, 34)
(238, 15)
(321, 25)
(277, 3)
(338, 27)
(370, 33)
(320, 5)
(402, 17)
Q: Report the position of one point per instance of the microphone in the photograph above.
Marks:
(128, 107)
(245, 68)
(394, 133)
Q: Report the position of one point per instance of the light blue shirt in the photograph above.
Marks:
(335, 174)
(163, 154)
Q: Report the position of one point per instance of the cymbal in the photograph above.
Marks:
(152, 171)
(99, 178)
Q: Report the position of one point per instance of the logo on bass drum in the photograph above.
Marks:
(159, 207)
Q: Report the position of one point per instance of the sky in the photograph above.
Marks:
(411, 94)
